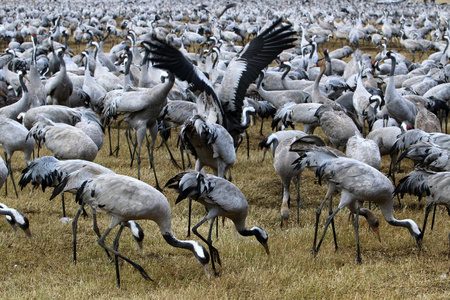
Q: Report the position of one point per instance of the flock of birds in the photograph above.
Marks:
(210, 69)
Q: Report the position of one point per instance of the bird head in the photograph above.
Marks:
(22, 222)
(262, 237)
(137, 232)
(373, 221)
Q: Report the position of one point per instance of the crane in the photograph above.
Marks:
(125, 198)
(358, 182)
(221, 198)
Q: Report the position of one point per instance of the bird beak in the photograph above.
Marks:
(376, 230)
(266, 247)
(264, 154)
(3, 95)
(28, 233)
(139, 245)
(419, 241)
(207, 271)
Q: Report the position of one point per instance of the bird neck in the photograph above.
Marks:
(198, 250)
(259, 233)
(390, 88)
(393, 62)
(22, 84)
(410, 224)
(288, 69)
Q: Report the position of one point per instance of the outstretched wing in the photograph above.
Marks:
(165, 56)
(243, 70)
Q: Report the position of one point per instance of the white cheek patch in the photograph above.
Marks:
(18, 216)
(134, 228)
(414, 226)
(263, 233)
(198, 249)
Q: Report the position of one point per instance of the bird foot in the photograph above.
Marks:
(144, 273)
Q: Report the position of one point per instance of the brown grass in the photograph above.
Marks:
(42, 268)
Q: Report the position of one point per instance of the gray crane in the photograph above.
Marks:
(13, 110)
(240, 73)
(426, 120)
(221, 198)
(63, 140)
(13, 137)
(359, 182)
(16, 218)
(435, 185)
(294, 113)
(60, 87)
(48, 171)
(365, 150)
(398, 107)
(56, 113)
(283, 160)
(141, 109)
(336, 124)
(35, 86)
(125, 198)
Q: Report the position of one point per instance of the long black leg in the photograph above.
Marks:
(318, 212)
(327, 223)
(333, 228)
(434, 215)
(74, 231)
(189, 217)
(427, 212)
(63, 205)
(213, 251)
(96, 230)
(116, 258)
(101, 242)
(356, 225)
(8, 166)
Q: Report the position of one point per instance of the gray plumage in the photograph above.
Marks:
(359, 182)
(13, 110)
(63, 140)
(283, 160)
(336, 124)
(426, 120)
(15, 218)
(178, 111)
(210, 143)
(60, 87)
(435, 186)
(398, 108)
(365, 150)
(221, 198)
(55, 113)
(303, 113)
(124, 199)
(141, 109)
(13, 137)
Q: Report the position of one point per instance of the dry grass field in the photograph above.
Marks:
(42, 268)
